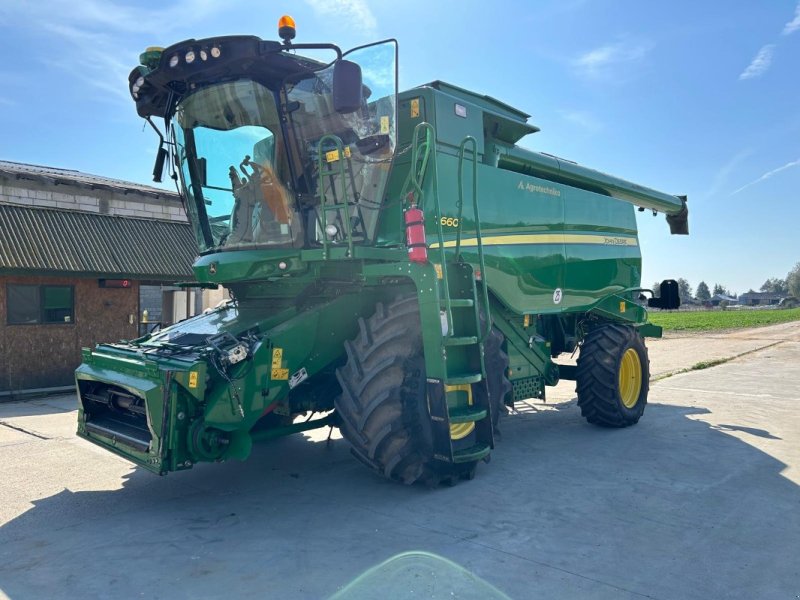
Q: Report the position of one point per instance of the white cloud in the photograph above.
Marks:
(603, 60)
(769, 174)
(92, 35)
(582, 119)
(759, 64)
(94, 61)
(105, 15)
(723, 174)
(794, 24)
(355, 13)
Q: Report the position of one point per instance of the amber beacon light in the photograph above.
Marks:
(286, 29)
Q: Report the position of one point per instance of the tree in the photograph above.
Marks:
(775, 285)
(684, 290)
(702, 291)
(721, 290)
(656, 289)
(793, 281)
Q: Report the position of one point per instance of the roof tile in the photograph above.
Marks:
(64, 241)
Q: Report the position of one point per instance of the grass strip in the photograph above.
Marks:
(707, 364)
(709, 320)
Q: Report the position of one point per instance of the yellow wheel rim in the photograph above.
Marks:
(459, 431)
(630, 378)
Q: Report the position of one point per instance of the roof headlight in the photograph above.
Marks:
(203, 55)
(190, 56)
(137, 85)
(215, 52)
(173, 60)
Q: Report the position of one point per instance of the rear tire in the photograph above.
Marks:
(613, 376)
(495, 360)
(383, 408)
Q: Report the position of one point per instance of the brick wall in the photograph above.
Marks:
(109, 202)
(46, 355)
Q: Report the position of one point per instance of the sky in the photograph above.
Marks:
(687, 97)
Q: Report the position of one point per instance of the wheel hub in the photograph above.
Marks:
(630, 378)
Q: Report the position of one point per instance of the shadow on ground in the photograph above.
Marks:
(672, 508)
(55, 404)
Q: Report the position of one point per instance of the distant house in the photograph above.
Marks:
(761, 298)
(81, 258)
(717, 299)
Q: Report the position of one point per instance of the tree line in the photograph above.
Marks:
(789, 285)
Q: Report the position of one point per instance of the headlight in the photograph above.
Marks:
(203, 55)
(331, 230)
(215, 52)
(190, 56)
(136, 87)
(173, 60)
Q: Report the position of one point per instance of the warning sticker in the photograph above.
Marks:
(280, 374)
(384, 125)
(333, 155)
(277, 358)
(193, 379)
(415, 108)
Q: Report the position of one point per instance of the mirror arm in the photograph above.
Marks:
(333, 47)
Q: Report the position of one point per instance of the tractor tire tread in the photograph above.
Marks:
(598, 372)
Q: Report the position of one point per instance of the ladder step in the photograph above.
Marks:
(476, 452)
(459, 303)
(467, 414)
(460, 341)
(464, 379)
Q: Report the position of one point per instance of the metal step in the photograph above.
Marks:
(476, 452)
(463, 379)
(466, 414)
(460, 341)
(459, 303)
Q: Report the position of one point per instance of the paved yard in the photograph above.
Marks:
(700, 500)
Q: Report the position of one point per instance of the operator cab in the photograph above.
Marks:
(262, 140)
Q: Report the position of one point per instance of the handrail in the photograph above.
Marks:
(331, 173)
(460, 203)
(428, 150)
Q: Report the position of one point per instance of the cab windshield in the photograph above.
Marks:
(261, 167)
(233, 167)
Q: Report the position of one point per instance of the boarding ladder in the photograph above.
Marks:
(462, 397)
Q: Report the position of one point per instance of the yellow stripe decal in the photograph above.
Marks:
(544, 238)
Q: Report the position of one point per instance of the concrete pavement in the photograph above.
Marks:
(699, 500)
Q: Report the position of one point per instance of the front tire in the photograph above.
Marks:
(613, 376)
(383, 408)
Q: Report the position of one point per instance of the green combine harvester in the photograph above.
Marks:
(398, 267)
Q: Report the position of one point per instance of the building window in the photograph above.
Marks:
(31, 304)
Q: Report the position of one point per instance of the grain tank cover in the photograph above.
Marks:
(503, 122)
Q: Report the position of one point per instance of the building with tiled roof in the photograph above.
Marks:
(82, 257)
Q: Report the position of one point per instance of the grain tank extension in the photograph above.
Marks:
(398, 267)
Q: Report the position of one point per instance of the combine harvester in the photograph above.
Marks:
(396, 263)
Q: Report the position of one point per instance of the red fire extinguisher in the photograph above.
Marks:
(415, 235)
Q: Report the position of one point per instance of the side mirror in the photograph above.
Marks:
(202, 170)
(669, 297)
(347, 87)
(158, 168)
